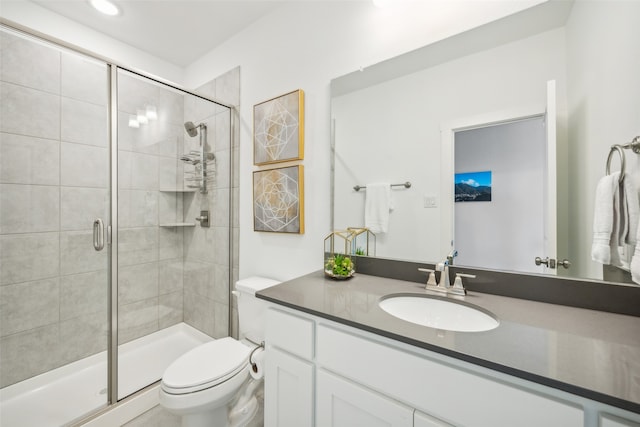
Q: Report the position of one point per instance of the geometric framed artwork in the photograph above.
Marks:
(473, 186)
(278, 200)
(278, 129)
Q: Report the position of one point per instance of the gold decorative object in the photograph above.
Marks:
(338, 254)
(363, 242)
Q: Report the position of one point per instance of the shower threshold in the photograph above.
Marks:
(58, 397)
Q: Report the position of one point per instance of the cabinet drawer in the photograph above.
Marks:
(289, 332)
(451, 394)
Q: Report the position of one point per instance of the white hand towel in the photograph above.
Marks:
(618, 226)
(632, 209)
(605, 214)
(377, 206)
(635, 263)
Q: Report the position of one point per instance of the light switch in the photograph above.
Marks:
(430, 202)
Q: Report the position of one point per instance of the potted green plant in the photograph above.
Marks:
(339, 267)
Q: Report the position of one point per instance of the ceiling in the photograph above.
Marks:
(177, 31)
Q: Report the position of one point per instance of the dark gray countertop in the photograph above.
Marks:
(590, 353)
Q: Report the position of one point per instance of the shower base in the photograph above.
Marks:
(63, 395)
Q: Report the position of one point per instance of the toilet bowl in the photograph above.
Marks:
(200, 384)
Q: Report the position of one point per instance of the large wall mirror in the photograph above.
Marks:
(537, 99)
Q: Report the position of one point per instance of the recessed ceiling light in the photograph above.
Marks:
(105, 6)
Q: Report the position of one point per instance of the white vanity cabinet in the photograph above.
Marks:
(437, 388)
(289, 370)
(343, 403)
(326, 374)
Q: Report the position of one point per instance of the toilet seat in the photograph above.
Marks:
(206, 366)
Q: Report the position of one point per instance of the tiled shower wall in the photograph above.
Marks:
(150, 253)
(206, 277)
(169, 274)
(54, 182)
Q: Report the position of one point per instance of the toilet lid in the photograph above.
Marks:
(206, 366)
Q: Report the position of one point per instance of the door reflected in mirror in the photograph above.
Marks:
(513, 154)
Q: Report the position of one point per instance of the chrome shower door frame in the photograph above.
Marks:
(112, 308)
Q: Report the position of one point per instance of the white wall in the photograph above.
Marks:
(406, 115)
(515, 154)
(304, 46)
(602, 45)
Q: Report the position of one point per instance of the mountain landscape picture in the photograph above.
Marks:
(473, 187)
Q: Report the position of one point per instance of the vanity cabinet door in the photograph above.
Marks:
(342, 403)
(421, 419)
(288, 390)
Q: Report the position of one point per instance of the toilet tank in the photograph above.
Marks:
(252, 310)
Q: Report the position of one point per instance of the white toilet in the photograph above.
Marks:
(200, 384)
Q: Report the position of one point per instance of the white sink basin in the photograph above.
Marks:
(439, 313)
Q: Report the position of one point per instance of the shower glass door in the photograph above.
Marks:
(54, 184)
(172, 269)
(150, 240)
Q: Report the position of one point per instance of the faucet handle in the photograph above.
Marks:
(457, 287)
(432, 284)
(432, 276)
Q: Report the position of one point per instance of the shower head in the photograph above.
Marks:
(191, 129)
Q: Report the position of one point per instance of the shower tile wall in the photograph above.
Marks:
(150, 254)
(172, 274)
(53, 183)
(206, 276)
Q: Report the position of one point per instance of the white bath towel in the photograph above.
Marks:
(377, 207)
(605, 220)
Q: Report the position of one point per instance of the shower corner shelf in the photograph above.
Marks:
(178, 224)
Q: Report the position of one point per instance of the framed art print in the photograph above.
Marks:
(473, 187)
(278, 129)
(278, 200)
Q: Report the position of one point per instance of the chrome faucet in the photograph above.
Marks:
(443, 268)
(451, 255)
(444, 284)
(432, 284)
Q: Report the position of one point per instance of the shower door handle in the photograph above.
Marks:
(98, 235)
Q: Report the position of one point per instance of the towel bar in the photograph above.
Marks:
(634, 145)
(616, 148)
(404, 184)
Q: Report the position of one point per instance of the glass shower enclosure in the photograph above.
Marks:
(114, 230)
